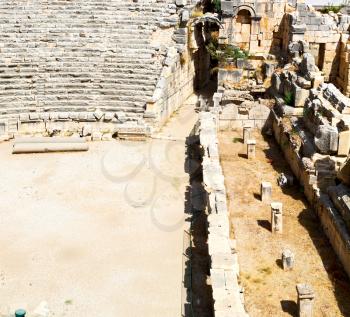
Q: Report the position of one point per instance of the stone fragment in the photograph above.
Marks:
(87, 130)
(185, 16)
(303, 83)
(308, 66)
(266, 192)
(344, 172)
(181, 3)
(247, 133)
(277, 83)
(285, 180)
(96, 136)
(306, 298)
(269, 69)
(217, 97)
(251, 144)
(340, 196)
(276, 217)
(326, 139)
(344, 143)
(300, 96)
(287, 260)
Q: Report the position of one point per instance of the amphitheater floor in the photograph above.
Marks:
(97, 233)
(269, 291)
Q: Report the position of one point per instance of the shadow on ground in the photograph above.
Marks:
(199, 293)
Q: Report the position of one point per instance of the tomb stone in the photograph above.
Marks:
(276, 217)
(266, 192)
(306, 298)
(251, 149)
(287, 260)
(247, 133)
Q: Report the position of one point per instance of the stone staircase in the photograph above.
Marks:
(80, 56)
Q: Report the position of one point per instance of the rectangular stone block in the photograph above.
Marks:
(266, 192)
(344, 143)
(276, 217)
(251, 144)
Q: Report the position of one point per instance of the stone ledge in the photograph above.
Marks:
(224, 271)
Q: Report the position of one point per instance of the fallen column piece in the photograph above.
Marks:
(47, 145)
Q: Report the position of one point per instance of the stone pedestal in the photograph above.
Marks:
(266, 192)
(217, 99)
(247, 134)
(251, 149)
(287, 260)
(276, 217)
(306, 298)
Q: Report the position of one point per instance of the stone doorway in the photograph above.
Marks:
(243, 25)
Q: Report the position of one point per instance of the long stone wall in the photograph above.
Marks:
(332, 222)
(224, 271)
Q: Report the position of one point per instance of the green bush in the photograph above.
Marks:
(222, 54)
(289, 98)
(331, 7)
(217, 5)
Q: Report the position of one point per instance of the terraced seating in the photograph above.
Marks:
(79, 55)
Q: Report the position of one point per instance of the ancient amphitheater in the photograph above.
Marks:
(174, 158)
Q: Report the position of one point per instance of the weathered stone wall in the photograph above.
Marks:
(321, 33)
(176, 84)
(224, 269)
(68, 64)
(236, 109)
(251, 24)
(332, 222)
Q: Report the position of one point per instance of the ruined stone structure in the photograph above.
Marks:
(84, 66)
(103, 69)
(294, 85)
(252, 24)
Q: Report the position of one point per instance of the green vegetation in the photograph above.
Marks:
(289, 98)
(236, 140)
(217, 5)
(223, 53)
(333, 7)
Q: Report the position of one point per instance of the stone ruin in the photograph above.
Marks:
(294, 85)
(121, 68)
(85, 68)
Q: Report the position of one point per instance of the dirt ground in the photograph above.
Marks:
(269, 291)
(98, 233)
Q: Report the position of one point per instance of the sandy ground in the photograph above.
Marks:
(97, 233)
(269, 291)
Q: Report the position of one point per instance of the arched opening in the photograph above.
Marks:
(243, 28)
